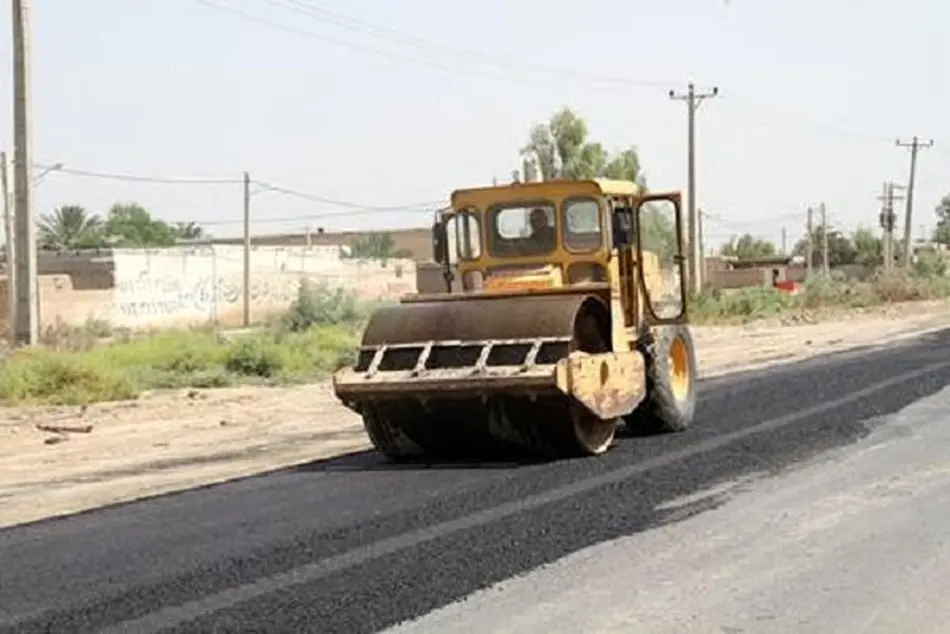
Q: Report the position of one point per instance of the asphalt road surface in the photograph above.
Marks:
(808, 498)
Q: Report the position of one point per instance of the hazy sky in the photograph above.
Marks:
(813, 94)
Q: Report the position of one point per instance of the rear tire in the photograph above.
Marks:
(670, 402)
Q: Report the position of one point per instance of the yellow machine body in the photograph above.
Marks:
(542, 346)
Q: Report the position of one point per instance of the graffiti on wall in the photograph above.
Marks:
(146, 295)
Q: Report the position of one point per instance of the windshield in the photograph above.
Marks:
(464, 234)
(583, 230)
(522, 229)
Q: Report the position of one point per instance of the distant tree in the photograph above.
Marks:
(869, 248)
(560, 149)
(188, 231)
(748, 247)
(841, 249)
(70, 227)
(131, 225)
(378, 245)
(941, 233)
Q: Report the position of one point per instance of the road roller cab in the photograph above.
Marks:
(563, 314)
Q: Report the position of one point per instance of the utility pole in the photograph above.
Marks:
(8, 228)
(784, 241)
(693, 100)
(810, 248)
(888, 220)
(247, 250)
(914, 146)
(26, 329)
(702, 249)
(826, 270)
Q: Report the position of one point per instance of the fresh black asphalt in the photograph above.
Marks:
(86, 572)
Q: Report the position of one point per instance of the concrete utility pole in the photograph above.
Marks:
(914, 146)
(693, 100)
(810, 237)
(247, 250)
(784, 241)
(26, 329)
(825, 269)
(8, 228)
(701, 242)
(887, 221)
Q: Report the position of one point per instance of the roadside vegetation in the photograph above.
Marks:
(821, 297)
(320, 333)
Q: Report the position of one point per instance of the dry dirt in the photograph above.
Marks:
(55, 461)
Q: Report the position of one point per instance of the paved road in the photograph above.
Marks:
(352, 545)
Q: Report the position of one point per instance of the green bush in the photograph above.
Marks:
(256, 357)
(62, 379)
(926, 281)
(317, 335)
(318, 305)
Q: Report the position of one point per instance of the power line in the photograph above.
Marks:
(264, 186)
(791, 117)
(322, 14)
(502, 63)
(338, 203)
(734, 224)
(138, 178)
(351, 208)
(322, 216)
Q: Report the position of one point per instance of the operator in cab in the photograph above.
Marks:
(543, 237)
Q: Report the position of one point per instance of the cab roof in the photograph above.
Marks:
(602, 186)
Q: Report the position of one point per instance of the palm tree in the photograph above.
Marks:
(70, 227)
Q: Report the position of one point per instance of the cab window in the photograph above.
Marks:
(522, 230)
(583, 225)
(465, 237)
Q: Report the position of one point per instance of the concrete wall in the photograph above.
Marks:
(739, 278)
(193, 285)
(60, 302)
(418, 242)
(87, 270)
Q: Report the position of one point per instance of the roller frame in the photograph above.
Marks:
(536, 338)
(609, 384)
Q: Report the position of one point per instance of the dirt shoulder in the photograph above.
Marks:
(55, 461)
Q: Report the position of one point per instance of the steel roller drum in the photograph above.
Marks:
(475, 319)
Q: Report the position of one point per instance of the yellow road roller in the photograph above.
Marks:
(559, 313)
